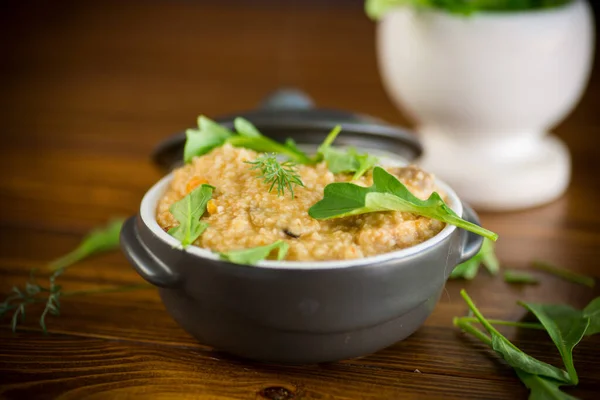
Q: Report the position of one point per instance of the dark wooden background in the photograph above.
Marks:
(88, 88)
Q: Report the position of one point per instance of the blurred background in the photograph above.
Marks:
(155, 65)
(92, 79)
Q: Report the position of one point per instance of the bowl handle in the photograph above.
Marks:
(145, 263)
(471, 242)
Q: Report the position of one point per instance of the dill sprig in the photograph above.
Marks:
(283, 175)
(98, 241)
(33, 293)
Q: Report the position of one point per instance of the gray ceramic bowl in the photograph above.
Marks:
(299, 312)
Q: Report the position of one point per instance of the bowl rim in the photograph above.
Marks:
(150, 200)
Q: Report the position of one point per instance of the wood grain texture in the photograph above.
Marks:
(88, 89)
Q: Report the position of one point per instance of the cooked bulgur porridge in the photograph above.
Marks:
(243, 213)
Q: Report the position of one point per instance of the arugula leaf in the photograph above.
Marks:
(365, 163)
(188, 212)
(254, 255)
(339, 161)
(387, 193)
(542, 388)
(565, 274)
(98, 241)
(520, 277)
(592, 311)
(200, 141)
(291, 143)
(264, 144)
(210, 135)
(467, 270)
(251, 138)
(566, 327)
(245, 128)
(486, 256)
(514, 356)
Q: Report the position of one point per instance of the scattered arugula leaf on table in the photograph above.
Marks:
(98, 241)
(255, 254)
(565, 325)
(564, 274)
(592, 311)
(486, 256)
(387, 193)
(520, 278)
(282, 175)
(340, 161)
(542, 388)
(514, 356)
(188, 212)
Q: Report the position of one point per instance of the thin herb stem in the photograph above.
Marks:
(331, 136)
(469, 226)
(565, 274)
(524, 325)
(469, 328)
(488, 327)
(68, 259)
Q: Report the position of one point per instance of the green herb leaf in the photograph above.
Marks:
(520, 277)
(188, 212)
(251, 138)
(256, 254)
(98, 241)
(592, 311)
(208, 136)
(565, 274)
(467, 270)
(365, 162)
(542, 388)
(514, 356)
(283, 175)
(339, 161)
(386, 194)
(566, 327)
(291, 144)
(486, 256)
(264, 144)
(245, 128)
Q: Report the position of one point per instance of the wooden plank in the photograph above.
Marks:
(75, 367)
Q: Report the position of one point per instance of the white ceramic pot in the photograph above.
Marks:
(485, 90)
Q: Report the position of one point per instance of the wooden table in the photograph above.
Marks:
(88, 90)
